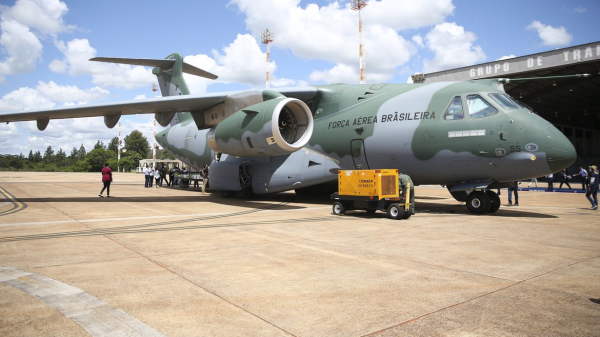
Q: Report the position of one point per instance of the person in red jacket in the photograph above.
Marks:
(106, 179)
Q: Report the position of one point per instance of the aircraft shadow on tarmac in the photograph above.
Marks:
(457, 209)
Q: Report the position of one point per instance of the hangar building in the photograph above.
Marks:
(571, 104)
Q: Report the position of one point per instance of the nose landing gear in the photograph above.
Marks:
(481, 202)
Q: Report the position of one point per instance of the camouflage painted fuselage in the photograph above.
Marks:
(403, 126)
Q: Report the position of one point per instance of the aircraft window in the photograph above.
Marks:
(455, 110)
(479, 108)
(505, 101)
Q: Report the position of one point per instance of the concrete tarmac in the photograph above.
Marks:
(174, 262)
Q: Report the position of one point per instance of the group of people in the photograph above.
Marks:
(159, 174)
(155, 176)
(589, 182)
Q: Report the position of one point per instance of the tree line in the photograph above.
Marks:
(135, 148)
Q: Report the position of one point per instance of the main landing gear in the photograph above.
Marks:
(481, 202)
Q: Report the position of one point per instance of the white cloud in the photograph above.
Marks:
(579, 9)
(418, 39)
(20, 28)
(58, 66)
(330, 32)
(78, 52)
(44, 16)
(506, 57)
(242, 61)
(341, 73)
(452, 47)
(551, 36)
(59, 93)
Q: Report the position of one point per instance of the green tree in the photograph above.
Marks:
(127, 164)
(37, 157)
(99, 145)
(61, 157)
(134, 156)
(136, 141)
(30, 157)
(113, 145)
(49, 155)
(81, 153)
(97, 158)
(163, 154)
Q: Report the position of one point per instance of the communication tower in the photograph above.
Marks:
(266, 37)
(357, 5)
(119, 150)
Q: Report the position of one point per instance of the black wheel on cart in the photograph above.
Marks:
(395, 212)
(338, 208)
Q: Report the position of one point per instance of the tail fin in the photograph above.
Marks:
(169, 72)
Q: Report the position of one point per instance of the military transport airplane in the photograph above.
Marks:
(469, 136)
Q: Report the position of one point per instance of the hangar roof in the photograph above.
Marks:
(563, 101)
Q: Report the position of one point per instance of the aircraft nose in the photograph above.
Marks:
(560, 153)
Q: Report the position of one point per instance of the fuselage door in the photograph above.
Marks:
(358, 154)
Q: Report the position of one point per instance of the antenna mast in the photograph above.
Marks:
(267, 37)
(357, 5)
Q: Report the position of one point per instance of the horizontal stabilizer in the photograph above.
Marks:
(162, 63)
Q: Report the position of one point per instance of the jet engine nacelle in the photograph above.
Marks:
(272, 128)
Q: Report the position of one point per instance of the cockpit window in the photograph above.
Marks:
(505, 101)
(479, 108)
(455, 110)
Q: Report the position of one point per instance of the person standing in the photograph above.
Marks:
(172, 176)
(147, 175)
(157, 177)
(151, 178)
(550, 181)
(163, 175)
(592, 191)
(533, 181)
(513, 189)
(564, 179)
(106, 180)
(584, 177)
(204, 174)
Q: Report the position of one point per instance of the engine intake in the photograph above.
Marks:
(272, 128)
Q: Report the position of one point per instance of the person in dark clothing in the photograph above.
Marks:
(513, 189)
(163, 175)
(106, 180)
(204, 174)
(564, 178)
(550, 181)
(172, 176)
(592, 191)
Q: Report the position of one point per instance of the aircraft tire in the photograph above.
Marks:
(339, 208)
(478, 202)
(495, 201)
(395, 212)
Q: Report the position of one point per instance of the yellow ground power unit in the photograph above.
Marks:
(373, 190)
(368, 183)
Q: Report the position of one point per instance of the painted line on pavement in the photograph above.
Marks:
(17, 204)
(97, 317)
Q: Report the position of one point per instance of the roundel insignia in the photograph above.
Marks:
(500, 152)
(531, 147)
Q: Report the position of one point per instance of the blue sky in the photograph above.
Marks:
(45, 44)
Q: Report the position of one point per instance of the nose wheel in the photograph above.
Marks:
(479, 202)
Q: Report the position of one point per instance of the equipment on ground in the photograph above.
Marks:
(373, 190)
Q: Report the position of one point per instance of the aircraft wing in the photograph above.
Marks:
(202, 108)
(112, 111)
